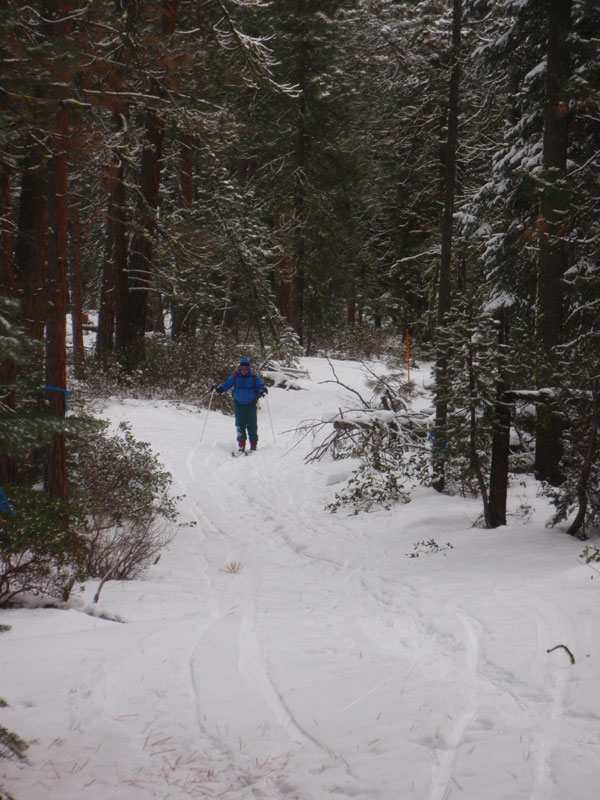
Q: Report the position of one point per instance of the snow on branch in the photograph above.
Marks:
(353, 427)
(255, 50)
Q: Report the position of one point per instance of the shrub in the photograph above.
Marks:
(184, 368)
(41, 548)
(125, 492)
(386, 474)
(390, 442)
(11, 745)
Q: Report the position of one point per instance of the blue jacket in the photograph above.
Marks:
(246, 388)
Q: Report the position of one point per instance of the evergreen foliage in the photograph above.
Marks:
(11, 745)
(267, 176)
(42, 550)
(125, 492)
(579, 403)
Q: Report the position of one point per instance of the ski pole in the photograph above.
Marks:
(270, 419)
(212, 394)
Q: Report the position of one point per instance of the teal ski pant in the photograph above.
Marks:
(245, 420)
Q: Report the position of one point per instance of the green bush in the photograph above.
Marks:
(184, 368)
(125, 493)
(11, 745)
(41, 547)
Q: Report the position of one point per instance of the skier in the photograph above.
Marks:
(247, 388)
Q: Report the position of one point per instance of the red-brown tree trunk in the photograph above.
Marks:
(298, 275)
(75, 285)
(185, 315)
(55, 480)
(30, 245)
(553, 226)
(8, 288)
(444, 287)
(140, 256)
(119, 259)
(7, 275)
(107, 305)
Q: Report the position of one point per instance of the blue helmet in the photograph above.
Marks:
(244, 362)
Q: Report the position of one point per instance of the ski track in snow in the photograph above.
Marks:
(278, 519)
(299, 639)
(249, 515)
(259, 522)
(550, 674)
(252, 662)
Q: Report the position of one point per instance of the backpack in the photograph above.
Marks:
(237, 375)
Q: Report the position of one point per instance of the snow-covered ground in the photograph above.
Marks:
(280, 651)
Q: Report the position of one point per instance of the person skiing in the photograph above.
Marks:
(247, 388)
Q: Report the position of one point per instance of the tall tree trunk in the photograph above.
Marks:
(30, 245)
(444, 285)
(185, 315)
(139, 270)
(298, 275)
(282, 280)
(140, 256)
(7, 275)
(586, 468)
(57, 25)
(553, 226)
(56, 340)
(120, 260)
(500, 442)
(75, 284)
(8, 288)
(107, 304)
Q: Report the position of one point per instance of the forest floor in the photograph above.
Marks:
(277, 650)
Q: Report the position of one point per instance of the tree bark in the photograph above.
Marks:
(185, 315)
(444, 286)
(8, 288)
(75, 285)
(55, 480)
(297, 285)
(30, 245)
(139, 271)
(7, 274)
(553, 227)
(500, 441)
(119, 260)
(107, 304)
(586, 469)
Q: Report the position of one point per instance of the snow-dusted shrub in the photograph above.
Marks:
(125, 492)
(363, 341)
(578, 402)
(470, 394)
(11, 745)
(380, 479)
(429, 547)
(181, 368)
(186, 367)
(390, 442)
(41, 547)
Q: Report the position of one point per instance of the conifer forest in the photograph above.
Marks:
(192, 181)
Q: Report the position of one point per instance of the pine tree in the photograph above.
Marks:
(579, 401)
(554, 226)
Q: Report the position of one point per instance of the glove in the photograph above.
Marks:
(264, 392)
(218, 389)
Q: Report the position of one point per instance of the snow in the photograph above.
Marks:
(280, 651)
